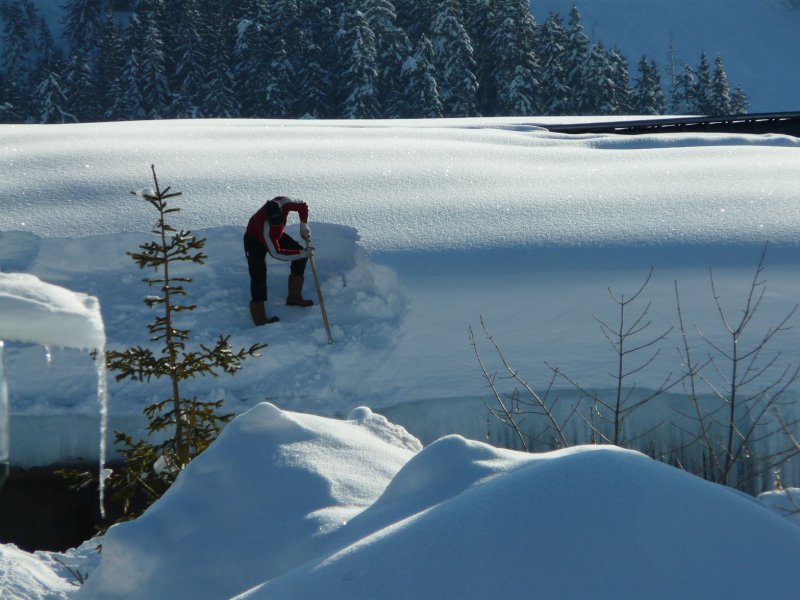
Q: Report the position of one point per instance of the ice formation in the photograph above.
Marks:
(36, 312)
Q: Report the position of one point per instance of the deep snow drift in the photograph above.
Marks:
(288, 505)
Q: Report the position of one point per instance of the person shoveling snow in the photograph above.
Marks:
(266, 233)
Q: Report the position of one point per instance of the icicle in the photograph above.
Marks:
(5, 442)
(102, 399)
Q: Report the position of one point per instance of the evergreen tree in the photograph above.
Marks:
(513, 78)
(18, 19)
(454, 62)
(553, 90)
(720, 97)
(83, 25)
(597, 94)
(177, 20)
(575, 59)
(359, 80)
(414, 18)
(190, 67)
(319, 54)
(190, 424)
(697, 91)
(220, 99)
(280, 98)
(50, 101)
(740, 103)
(154, 85)
(132, 80)
(620, 78)
(423, 92)
(479, 21)
(647, 97)
(683, 92)
(251, 64)
(332, 58)
(110, 66)
(702, 87)
(79, 85)
(313, 82)
(392, 48)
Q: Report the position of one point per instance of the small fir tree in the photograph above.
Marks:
(190, 424)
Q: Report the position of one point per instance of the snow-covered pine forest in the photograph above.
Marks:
(152, 59)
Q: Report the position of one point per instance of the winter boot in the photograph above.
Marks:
(258, 312)
(295, 297)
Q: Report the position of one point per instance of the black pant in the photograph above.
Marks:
(256, 254)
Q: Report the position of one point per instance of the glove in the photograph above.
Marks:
(305, 232)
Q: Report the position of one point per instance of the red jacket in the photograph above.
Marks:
(269, 221)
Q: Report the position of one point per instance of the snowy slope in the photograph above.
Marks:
(422, 228)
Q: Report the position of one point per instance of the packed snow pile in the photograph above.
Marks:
(286, 505)
(41, 313)
(275, 490)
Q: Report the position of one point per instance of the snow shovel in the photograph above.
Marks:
(319, 292)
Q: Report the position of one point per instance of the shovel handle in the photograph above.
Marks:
(319, 292)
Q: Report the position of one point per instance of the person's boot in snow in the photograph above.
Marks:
(259, 314)
(295, 297)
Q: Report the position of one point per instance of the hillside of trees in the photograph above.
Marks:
(354, 59)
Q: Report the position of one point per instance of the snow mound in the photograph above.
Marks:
(289, 505)
(784, 502)
(270, 491)
(26, 575)
(46, 314)
(384, 429)
(588, 522)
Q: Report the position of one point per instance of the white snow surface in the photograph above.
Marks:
(46, 314)
(421, 229)
(289, 505)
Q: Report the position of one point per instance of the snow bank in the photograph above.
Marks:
(298, 506)
(41, 313)
(31, 576)
(408, 185)
(263, 499)
(45, 575)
